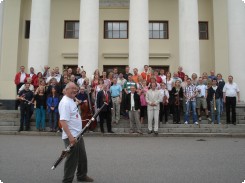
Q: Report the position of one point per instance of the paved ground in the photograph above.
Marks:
(28, 159)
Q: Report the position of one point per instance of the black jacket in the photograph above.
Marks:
(218, 93)
(101, 98)
(136, 101)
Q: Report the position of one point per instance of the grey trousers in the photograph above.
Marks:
(77, 159)
(116, 109)
(134, 117)
(153, 114)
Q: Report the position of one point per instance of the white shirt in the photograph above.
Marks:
(49, 78)
(132, 101)
(163, 78)
(69, 112)
(231, 89)
(80, 81)
(201, 90)
(23, 87)
(22, 77)
(58, 77)
(170, 84)
(31, 75)
(164, 92)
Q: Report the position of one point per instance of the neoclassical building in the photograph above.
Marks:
(200, 35)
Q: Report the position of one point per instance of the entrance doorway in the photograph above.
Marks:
(73, 67)
(159, 67)
(109, 68)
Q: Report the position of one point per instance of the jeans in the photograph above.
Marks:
(192, 105)
(40, 117)
(221, 105)
(53, 124)
(217, 112)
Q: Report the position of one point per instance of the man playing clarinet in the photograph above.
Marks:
(26, 98)
(71, 122)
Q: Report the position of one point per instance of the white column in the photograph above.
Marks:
(138, 34)
(189, 36)
(236, 28)
(39, 34)
(89, 36)
(1, 28)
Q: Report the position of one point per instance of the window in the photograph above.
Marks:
(203, 30)
(27, 29)
(71, 30)
(158, 30)
(115, 29)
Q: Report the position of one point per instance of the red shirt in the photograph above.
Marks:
(181, 75)
(146, 77)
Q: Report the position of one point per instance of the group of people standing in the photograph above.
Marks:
(152, 93)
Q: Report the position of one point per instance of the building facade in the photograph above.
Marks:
(200, 35)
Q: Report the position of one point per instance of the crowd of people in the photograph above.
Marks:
(152, 94)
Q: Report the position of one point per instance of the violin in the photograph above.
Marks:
(177, 98)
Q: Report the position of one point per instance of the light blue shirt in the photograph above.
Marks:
(115, 90)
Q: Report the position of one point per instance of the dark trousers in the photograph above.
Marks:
(25, 110)
(76, 160)
(163, 112)
(122, 105)
(105, 115)
(231, 104)
(17, 102)
(143, 111)
(176, 115)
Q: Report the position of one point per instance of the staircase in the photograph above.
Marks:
(10, 121)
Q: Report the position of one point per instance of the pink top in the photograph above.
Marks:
(142, 96)
(143, 100)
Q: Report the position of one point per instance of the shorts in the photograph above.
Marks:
(201, 101)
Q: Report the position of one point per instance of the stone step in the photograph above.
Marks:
(136, 135)
(186, 130)
(7, 123)
(169, 128)
(9, 128)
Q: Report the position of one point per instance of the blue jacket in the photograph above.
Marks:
(52, 102)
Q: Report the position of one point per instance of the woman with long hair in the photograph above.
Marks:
(169, 86)
(143, 103)
(40, 106)
(177, 94)
(183, 85)
(52, 106)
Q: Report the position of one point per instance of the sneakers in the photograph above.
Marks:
(186, 122)
(85, 179)
(149, 131)
(156, 132)
(209, 119)
(200, 118)
(196, 123)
